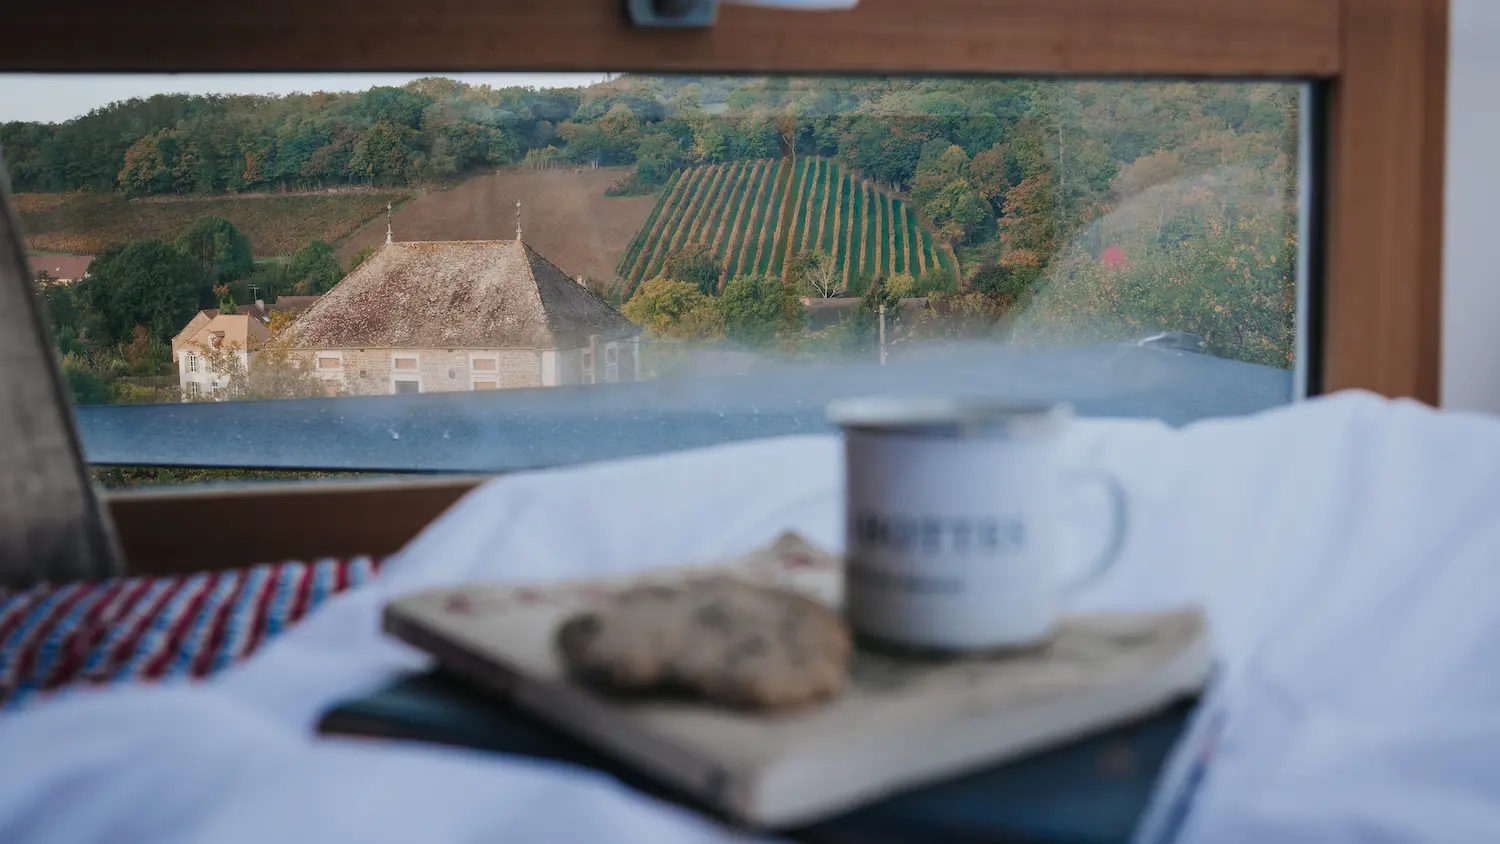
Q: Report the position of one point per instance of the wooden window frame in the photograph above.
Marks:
(1380, 65)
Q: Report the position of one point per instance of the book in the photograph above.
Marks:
(901, 722)
(1092, 790)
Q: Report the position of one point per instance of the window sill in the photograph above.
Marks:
(242, 525)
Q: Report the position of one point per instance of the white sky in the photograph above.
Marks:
(55, 97)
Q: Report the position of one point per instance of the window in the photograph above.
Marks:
(192, 390)
(1129, 245)
(192, 362)
(998, 220)
(611, 363)
(484, 370)
(405, 372)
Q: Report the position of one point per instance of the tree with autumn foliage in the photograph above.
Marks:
(274, 372)
(1232, 280)
(219, 247)
(989, 173)
(965, 315)
(674, 309)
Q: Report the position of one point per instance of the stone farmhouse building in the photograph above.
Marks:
(449, 316)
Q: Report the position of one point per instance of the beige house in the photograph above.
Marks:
(244, 334)
(259, 311)
(195, 325)
(451, 316)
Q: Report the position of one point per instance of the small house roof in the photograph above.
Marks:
(239, 330)
(72, 267)
(293, 303)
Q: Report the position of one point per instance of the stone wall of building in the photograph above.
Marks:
(443, 371)
(368, 372)
(520, 368)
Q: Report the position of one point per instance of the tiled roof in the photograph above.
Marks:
(240, 330)
(204, 316)
(293, 303)
(199, 320)
(71, 267)
(250, 311)
(474, 294)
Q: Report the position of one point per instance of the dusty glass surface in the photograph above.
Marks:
(584, 267)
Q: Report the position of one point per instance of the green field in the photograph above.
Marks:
(757, 215)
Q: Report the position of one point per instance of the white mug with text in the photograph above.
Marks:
(957, 521)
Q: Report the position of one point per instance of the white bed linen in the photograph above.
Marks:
(1345, 549)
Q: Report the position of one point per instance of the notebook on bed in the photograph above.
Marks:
(1090, 791)
(900, 723)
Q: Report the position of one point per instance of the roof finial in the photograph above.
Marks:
(518, 221)
(387, 222)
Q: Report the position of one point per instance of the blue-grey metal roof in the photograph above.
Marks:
(509, 430)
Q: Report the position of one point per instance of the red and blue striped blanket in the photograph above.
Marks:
(150, 628)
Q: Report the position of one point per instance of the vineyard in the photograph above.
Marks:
(758, 215)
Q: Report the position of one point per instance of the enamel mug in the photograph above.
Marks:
(958, 522)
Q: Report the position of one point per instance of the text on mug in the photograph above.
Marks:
(989, 535)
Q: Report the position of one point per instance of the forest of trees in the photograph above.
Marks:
(1029, 181)
(114, 328)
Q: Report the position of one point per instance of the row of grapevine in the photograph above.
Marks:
(755, 216)
(751, 231)
(627, 261)
(652, 248)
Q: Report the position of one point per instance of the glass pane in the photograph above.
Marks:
(636, 263)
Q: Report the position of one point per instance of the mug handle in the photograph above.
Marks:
(1118, 512)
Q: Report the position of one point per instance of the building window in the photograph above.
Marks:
(192, 362)
(193, 390)
(486, 384)
(326, 362)
(588, 366)
(611, 363)
(484, 364)
(405, 367)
